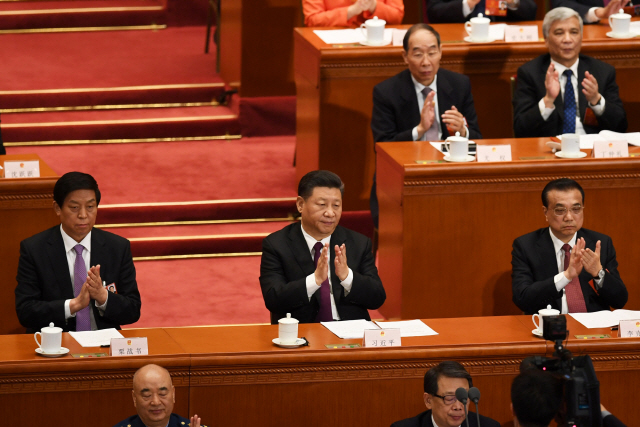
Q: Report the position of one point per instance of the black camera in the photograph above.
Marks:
(581, 386)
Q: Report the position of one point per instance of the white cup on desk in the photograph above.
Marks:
(539, 315)
(478, 28)
(570, 145)
(51, 337)
(373, 31)
(620, 23)
(457, 147)
(288, 330)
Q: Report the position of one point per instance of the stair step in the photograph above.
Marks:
(228, 229)
(210, 245)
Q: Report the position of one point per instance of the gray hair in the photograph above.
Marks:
(558, 14)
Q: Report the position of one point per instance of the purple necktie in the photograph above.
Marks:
(575, 299)
(324, 315)
(83, 321)
(432, 133)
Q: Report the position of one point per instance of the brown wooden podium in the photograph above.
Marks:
(446, 229)
(26, 208)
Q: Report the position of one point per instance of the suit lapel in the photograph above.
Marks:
(445, 101)
(409, 97)
(582, 100)
(588, 243)
(547, 254)
(300, 250)
(98, 252)
(337, 238)
(58, 258)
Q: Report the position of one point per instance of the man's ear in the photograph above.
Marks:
(544, 211)
(428, 400)
(133, 395)
(404, 56)
(56, 208)
(299, 203)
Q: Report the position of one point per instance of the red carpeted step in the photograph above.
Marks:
(264, 227)
(20, 15)
(174, 246)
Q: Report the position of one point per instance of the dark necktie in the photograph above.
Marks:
(432, 133)
(569, 122)
(324, 314)
(83, 320)
(575, 299)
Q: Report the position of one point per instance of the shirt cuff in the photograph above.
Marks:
(544, 111)
(347, 283)
(414, 133)
(67, 310)
(598, 109)
(102, 308)
(466, 10)
(311, 285)
(591, 16)
(598, 283)
(605, 414)
(561, 281)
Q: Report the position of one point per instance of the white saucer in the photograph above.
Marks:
(468, 159)
(537, 333)
(468, 39)
(299, 342)
(628, 35)
(578, 155)
(58, 353)
(367, 43)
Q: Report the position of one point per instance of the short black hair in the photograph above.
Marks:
(449, 369)
(536, 397)
(319, 178)
(416, 27)
(561, 184)
(72, 181)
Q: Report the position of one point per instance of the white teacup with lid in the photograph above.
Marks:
(51, 337)
(540, 314)
(620, 23)
(458, 147)
(478, 28)
(288, 330)
(373, 31)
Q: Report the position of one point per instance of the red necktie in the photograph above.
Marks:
(575, 299)
(324, 315)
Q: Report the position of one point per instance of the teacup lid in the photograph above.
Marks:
(51, 329)
(375, 22)
(288, 319)
(480, 18)
(457, 137)
(621, 14)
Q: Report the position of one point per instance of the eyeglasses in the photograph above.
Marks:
(449, 399)
(575, 210)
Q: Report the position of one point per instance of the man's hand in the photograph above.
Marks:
(321, 272)
(369, 5)
(427, 115)
(552, 85)
(81, 301)
(610, 9)
(342, 269)
(575, 260)
(94, 282)
(590, 88)
(195, 421)
(591, 260)
(454, 120)
(355, 9)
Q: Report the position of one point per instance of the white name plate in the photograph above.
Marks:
(381, 338)
(493, 153)
(610, 149)
(629, 329)
(129, 347)
(521, 33)
(25, 169)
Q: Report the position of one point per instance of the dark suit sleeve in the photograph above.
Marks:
(384, 122)
(525, 12)
(614, 117)
(280, 295)
(123, 307)
(33, 310)
(613, 291)
(612, 421)
(582, 7)
(529, 295)
(527, 120)
(445, 11)
(366, 290)
(468, 109)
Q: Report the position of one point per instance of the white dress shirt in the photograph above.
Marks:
(312, 286)
(598, 109)
(69, 245)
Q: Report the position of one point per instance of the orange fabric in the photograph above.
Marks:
(333, 13)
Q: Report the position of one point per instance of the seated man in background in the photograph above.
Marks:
(443, 409)
(591, 11)
(423, 102)
(563, 91)
(64, 272)
(350, 13)
(153, 397)
(315, 269)
(452, 11)
(554, 265)
(2, 149)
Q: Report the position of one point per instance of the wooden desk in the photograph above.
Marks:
(446, 230)
(335, 87)
(26, 208)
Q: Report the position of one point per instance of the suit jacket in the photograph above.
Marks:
(44, 282)
(174, 421)
(424, 420)
(580, 6)
(612, 421)
(527, 120)
(396, 111)
(333, 13)
(534, 265)
(286, 262)
(450, 11)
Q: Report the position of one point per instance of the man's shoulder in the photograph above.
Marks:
(536, 64)
(400, 79)
(350, 234)
(484, 421)
(43, 236)
(449, 75)
(532, 236)
(283, 233)
(590, 62)
(413, 421)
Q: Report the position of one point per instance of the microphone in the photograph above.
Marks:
(462, 395)
(474, 395)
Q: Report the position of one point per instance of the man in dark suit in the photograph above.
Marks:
(423, 102)
(452, 11)
(545, 103)
(2, 149)
(73, 275)
(555, 265)
(591, 11)
(443, 408)
(315, 269)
